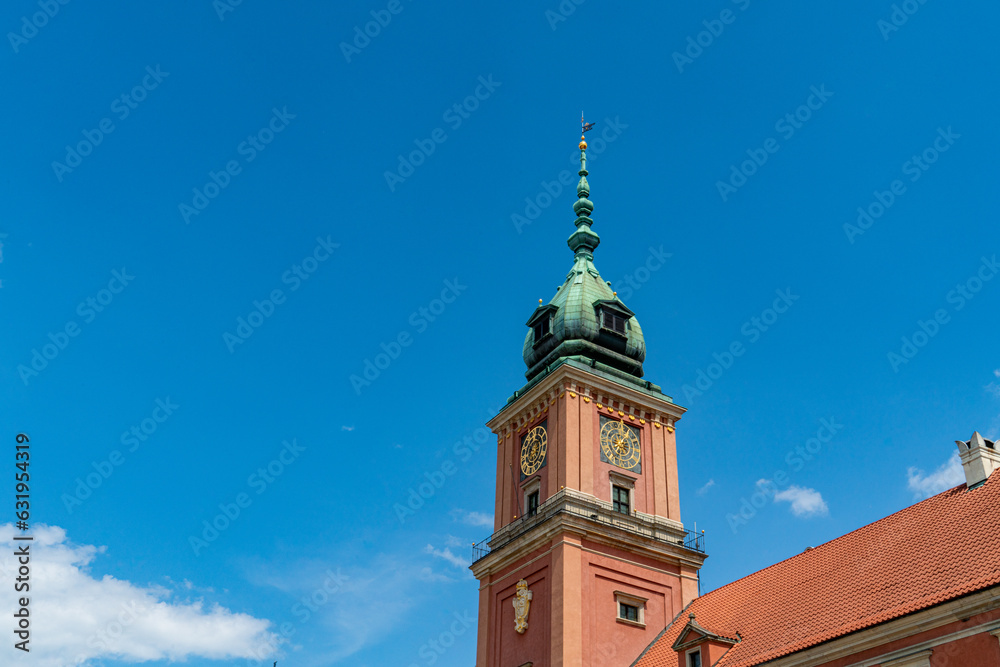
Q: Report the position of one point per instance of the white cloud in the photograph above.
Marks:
(704, 489)
(346, 428)
(478, 519)
(83, 618)
(447, 555)
(948, 475)
(804, 502)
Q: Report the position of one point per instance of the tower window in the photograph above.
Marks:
(613, 321)
(531, 497)
(620, 499)
(628, 612)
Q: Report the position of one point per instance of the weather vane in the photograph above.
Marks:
(586, 128)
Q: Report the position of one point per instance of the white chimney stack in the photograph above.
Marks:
(980, 457)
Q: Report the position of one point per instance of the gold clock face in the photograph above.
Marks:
(620, 444)
(533, 446)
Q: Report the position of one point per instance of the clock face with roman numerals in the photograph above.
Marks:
(533, 446)
(620, 443)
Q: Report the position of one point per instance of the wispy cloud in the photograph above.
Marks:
(447, 555)
(84, 618)
(704, 489)
(993, 388)
(346, 428)
(949, 474)
(334, 629)
(453, 541)
(477, 519)
(430, 576)
(805, 502)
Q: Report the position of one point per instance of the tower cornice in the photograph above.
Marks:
(575, 380)
(570, 511)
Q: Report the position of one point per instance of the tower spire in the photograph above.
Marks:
(583, 241)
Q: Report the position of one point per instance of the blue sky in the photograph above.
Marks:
(214, 215)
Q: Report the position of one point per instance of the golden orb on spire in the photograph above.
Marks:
(583, 144)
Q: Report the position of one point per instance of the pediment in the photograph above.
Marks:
(693, 633)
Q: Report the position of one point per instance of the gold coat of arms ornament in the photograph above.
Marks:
(522, 600)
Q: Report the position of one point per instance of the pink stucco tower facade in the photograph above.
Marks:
(589, 560)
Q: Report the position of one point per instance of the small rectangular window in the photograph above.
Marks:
(631, 609)
(533, 504)
(694, 659)
(541, 329)
(620, 499)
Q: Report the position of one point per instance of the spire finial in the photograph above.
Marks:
(586, 128)
(583, 241)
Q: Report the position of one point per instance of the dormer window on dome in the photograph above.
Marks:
(543, 328)
(614, 317)
(541, 322)
(613, 321)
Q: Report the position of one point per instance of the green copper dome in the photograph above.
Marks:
(585, 318)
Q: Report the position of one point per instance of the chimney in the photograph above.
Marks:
(980, 457)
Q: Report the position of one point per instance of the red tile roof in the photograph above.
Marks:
(937, 550)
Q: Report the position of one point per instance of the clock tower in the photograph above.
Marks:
(589, 560)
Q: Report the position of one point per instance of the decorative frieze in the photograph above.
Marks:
(605, 401)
